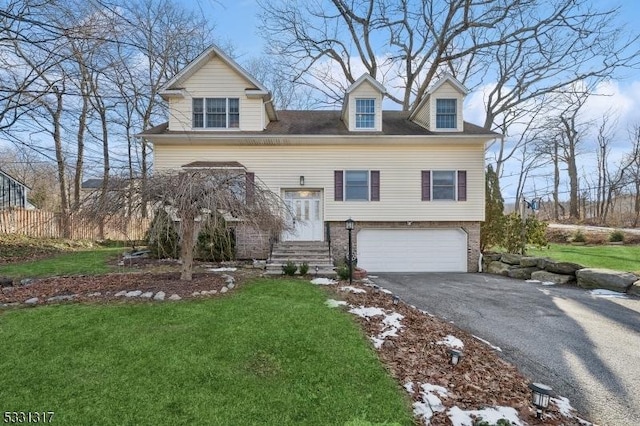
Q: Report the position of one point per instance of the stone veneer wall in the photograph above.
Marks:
(340, 237)
(251, 243)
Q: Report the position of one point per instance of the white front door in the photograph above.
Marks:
(304, 214)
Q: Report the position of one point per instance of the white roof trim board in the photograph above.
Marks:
(197, 63)
(370, 80)
(451, 79)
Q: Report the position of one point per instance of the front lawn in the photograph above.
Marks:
(621, 258)
(271, 353)
(86, 262)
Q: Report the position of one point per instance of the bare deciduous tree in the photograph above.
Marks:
(528, 48)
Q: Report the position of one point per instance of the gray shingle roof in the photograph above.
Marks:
(329, 123)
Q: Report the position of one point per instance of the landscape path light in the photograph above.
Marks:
(455, 356)
(540, 398)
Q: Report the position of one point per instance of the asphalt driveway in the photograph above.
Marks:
(586, 348)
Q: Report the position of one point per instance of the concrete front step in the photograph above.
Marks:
(329, 273)
(312, 265)
(301, 257)
(313, 253)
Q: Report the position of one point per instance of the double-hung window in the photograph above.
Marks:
(216, 113)
(356, 185)
(444, 185)
(365, 113)
(446, 114)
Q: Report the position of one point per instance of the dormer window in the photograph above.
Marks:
(365, 113)
(446, 114)
(217, 113)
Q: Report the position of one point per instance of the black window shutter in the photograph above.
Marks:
(426, 185)
(462, 185)
(338, 188)
(250, 190)
(375, 185)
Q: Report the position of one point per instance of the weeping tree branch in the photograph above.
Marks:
(191, 197)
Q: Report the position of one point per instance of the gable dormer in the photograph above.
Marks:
(362, 107)
(214, 93)
(441, 109)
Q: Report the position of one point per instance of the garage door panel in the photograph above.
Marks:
(415, 250)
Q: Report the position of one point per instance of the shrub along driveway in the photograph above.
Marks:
(585, 347)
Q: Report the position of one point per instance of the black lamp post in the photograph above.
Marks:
(350, 224)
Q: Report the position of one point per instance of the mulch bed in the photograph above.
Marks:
(108, 285)
(481, 379)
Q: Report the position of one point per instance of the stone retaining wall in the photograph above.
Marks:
(548, 270)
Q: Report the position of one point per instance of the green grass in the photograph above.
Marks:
(621, 258)
(87, 262)
(272, 353)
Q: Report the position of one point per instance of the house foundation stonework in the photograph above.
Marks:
(414, 182)
(251, 243)
(340, 237)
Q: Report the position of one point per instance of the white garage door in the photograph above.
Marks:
(412, 250)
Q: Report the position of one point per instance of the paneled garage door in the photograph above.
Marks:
(412, 250)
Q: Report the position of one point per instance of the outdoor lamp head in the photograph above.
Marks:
(541, 395)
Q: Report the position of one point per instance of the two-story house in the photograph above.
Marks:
(414, 183)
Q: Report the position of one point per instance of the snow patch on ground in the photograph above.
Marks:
(564, 406)
(491, 415)
(409, 387)
(353, 289)
(452, 342)
(322, 281)
(583, 422)
(332, 303)
(390, 323)
(365, 312)
(222, 269)
(430, 402)
(540, 282)
(497, 348)
(600, 292)
(384, 290)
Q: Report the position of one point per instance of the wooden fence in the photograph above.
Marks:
(45, 224)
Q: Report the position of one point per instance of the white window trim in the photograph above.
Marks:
(204, 115)
(455, 187)
(455, 127)
(344, 186)
(355, 114)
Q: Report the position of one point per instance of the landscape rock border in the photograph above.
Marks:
(547, 270)
(113, 287)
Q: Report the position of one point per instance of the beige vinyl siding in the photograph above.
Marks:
(422, 117)
(216, 80)
(446, 91)
(365, 91)
(280, 167)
